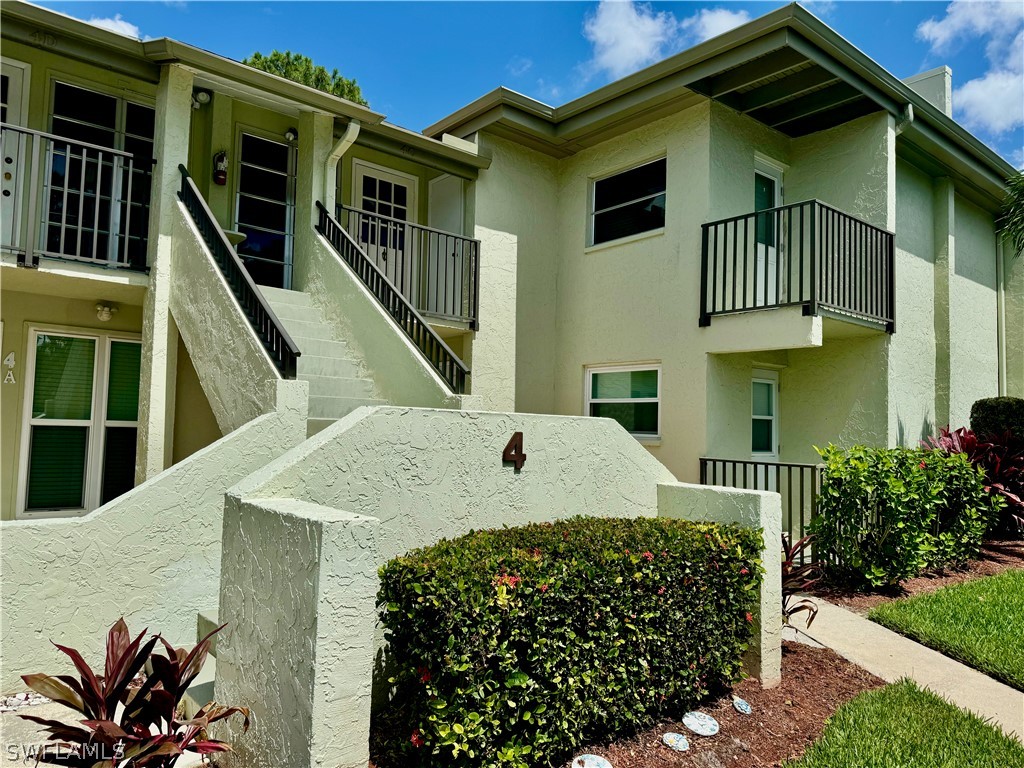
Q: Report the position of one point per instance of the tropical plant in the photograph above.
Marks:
(1002, 459)
(888, 514)
(513, 647)
(1011, 221)
(799, 574)
(130, 724)
(301, 69)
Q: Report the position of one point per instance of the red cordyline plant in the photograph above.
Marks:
(1003, 461)
(126, 725)
(799, 574)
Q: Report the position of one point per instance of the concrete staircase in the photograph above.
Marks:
(337, 385)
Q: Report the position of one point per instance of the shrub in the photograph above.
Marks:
(1002, 459)
(888, 514)
(127, 726)
(512, 647)
(993, 417)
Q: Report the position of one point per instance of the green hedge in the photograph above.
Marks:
(888, 514)
(994, 416)
(512, 647)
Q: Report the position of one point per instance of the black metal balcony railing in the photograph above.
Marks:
(430, 345)
(806, 254)
(271, 333)
(73, 200)
(798, 484)
(437, 271)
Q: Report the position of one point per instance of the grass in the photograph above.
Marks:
(978, 623)
(903, 726)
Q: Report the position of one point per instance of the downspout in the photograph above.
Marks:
(1001, 313)
(348, 138)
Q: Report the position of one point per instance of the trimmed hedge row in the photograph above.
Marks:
(993, 417)
(511, 647)
(888, 514)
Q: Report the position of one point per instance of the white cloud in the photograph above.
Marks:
(994, 102)
(519, 65)
(711, 22)
(627, 36)
(116, 24)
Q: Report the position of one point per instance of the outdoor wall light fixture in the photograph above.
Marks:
(291, 134)
(105, 310)
(200, 96)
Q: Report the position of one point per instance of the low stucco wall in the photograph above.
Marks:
(152, 555)
(430, 473)
(304, 536)
(399, 372)
(750, 509)
(223, 347)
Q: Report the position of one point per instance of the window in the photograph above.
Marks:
(764, 414)
(82, 421)
(265, 209)
(631, 396)
(628, 203)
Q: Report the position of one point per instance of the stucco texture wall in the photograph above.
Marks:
(195, 426)
(19, 312)
(152, 555)
(1013, 301)
(221, 344)
(517, 196)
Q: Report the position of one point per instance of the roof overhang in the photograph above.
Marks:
(787, 70)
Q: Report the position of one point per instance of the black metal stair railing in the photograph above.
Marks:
(804, 254)
(431, 346)
(271, 333)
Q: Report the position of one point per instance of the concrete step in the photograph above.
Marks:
(292, 312)
(310, 365)
(338, 386)
(282, 296)
(308, 329)
(319, 347)
(336, 407)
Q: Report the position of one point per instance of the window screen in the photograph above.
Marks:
(630, 397)
(629, 203)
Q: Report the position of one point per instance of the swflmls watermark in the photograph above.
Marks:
(48, 750)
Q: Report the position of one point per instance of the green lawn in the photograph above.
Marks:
(903, 726)
(978, 623)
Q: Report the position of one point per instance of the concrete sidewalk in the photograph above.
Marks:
(891, 656)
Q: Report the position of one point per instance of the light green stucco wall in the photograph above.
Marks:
(19, 311)
(195, 426)
(1013, 301)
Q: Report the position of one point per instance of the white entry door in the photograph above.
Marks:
(13, 85)
(768, 234)
(391, 195)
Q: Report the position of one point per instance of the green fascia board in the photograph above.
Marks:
(793, 25)
(418, 148)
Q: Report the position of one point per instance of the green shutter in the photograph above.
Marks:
(63, 377)
(123, 384)
(56, 467)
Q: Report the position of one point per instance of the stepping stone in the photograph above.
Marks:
(675, 741)
(701, 723)
(741, 706)
(590, 761)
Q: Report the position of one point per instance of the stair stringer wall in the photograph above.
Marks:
(389, 358)
(227, 354)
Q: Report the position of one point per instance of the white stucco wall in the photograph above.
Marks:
(1013, 302)
(152, 555)
(298, 587)
(223, 347)
(517, 195)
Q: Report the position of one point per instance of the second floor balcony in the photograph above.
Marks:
(72, 200)
(806, 254)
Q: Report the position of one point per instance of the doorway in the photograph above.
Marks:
(386, 236)
(14, 81)
(768, 233)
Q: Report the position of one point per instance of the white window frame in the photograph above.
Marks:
(589, 372)
(592, 203)
(771, 378)
(97, 423)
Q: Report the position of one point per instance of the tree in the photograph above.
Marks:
(301, 69)
(1011, 223)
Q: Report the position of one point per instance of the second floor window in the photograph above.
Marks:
(628, 203)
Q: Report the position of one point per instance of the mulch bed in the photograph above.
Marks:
(996, 557)
(785, 721)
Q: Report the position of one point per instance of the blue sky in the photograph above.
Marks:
(417, 62)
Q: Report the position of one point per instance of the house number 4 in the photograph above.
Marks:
(514, 451)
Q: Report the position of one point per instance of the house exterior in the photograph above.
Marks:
(762, 244)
